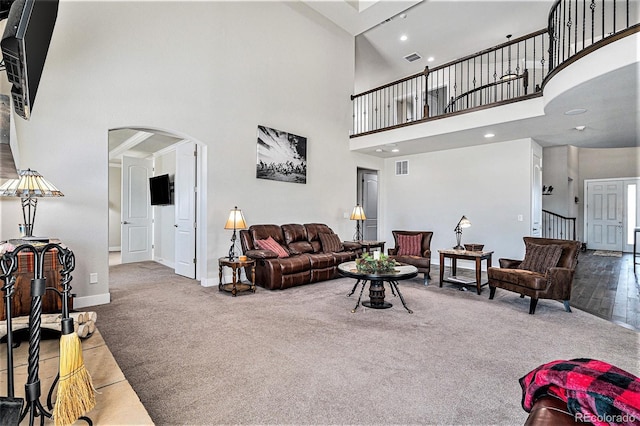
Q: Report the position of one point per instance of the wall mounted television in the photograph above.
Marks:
(160, 190)
(25, 44)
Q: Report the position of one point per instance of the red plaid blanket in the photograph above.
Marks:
(595, 392)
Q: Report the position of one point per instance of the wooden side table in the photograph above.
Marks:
(236, 285)
(454, 255)
(368, 245)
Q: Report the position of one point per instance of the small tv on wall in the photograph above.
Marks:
(160, 189)
(25, 44)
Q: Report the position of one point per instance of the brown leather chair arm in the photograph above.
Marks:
(509, 263)
(261, 254)
(559, 281)
(426, 253)
(392, 251)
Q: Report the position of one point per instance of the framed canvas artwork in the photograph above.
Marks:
(282, 156)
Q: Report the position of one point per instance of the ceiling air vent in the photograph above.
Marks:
(402, 167)
(413, 57)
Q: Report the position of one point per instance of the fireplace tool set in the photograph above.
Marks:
(76, 394)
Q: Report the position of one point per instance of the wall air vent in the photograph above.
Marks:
(413, 57)
(402, 167)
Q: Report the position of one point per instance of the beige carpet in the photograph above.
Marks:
(299, 356)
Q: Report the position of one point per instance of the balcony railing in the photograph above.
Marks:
(575, 25)
(509, 71)
(512, 71)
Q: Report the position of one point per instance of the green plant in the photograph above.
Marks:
(369, 265)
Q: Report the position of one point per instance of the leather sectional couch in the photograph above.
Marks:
(306, 260)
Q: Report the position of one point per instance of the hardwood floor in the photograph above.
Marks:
(606, 286)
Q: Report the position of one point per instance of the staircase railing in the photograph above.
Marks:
(558, 226)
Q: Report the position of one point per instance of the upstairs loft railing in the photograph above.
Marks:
(509, 71)
(558, 226)
(576, 25)
(512, 71)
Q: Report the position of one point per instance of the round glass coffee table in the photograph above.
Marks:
(376, 286)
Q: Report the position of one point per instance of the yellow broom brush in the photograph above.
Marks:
(76, 395)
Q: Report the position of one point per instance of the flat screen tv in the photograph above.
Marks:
(160, 188)
(25, 44)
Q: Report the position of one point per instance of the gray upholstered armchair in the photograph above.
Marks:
(413, 248)
(545, 273)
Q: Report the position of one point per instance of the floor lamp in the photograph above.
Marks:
(29, 186)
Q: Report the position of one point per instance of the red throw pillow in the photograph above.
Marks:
(271, 244)
(409, 245)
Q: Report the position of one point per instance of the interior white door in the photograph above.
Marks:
(369, 194)
(604, 215)
(136, 223)
(536, 197)
(185, 199)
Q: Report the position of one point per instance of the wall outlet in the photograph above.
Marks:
(93, 278)
(520, 218)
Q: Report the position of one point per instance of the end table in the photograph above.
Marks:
(235, 264)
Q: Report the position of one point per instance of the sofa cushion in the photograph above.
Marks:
(539, 258)
(321, 260)
(295, 237)
(313, 234)
(331, 243)
(271, 244)
(409, 245)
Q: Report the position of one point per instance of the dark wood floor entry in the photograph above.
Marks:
(606, 286)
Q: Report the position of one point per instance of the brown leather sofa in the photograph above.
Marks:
(307, 262)
(551, 411)
(422, 262)
(555, 283)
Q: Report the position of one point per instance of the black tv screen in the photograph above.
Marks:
(160, 188)
(25, 44)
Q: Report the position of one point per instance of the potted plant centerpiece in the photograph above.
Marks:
(377, 263)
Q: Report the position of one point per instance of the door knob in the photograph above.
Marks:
(125, 222)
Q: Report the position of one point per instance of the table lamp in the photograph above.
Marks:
(29, 187)
(462, 223)
(236, 221)
(358, 215)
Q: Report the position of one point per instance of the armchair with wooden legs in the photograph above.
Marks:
(546, 272)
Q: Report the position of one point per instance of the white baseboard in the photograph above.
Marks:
(96, 299)
(166, 263)
(209, 282)
(118, 248)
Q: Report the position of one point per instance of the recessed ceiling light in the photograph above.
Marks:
(403, 37)
(575, 111)
(489, 135)
(379, 150)
(403, 15)
(430, 59)
(580, 128)
(395, 150)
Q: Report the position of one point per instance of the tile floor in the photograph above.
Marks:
(117, 403)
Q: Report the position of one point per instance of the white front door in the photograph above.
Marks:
(136, 232)
(604, 215)
(185, 198)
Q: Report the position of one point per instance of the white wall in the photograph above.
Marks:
(212, 71)
(490, 184)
